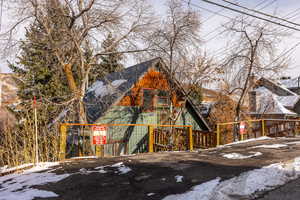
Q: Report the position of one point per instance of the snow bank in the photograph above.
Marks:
(245, 186)
(18, 186)
(270, 146)
(243, 141)
(241, 156)
(297, 142)
(204, 191)
(249, 140)
(84, 157)
(5, 168)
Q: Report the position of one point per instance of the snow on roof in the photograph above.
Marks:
(270, 103)
(288, 101)
(102, 89)
(280, 86)
(291, 83)
(107, 91)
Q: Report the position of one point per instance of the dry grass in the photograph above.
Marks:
(17, 145)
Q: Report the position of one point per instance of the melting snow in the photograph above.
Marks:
(270, 146)
(18, 186)
(244, 186)
(102, 90)
(248, 140)
(124, 169)
(119, 164)
(6, 169)
(297, 142)
(203, 191)
(84, 157)
(241, 156)
(178, 178)
(121, 168)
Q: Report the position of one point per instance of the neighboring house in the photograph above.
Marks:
(8, 96)
(8, 89)
(278, 100)
(141, 94)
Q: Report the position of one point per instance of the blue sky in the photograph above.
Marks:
(211, 26)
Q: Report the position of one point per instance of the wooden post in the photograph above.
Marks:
(190, 134)
(218, 134)
(242, 137)
(36, 137)
(263, 127)
(62, 145)
(150, 130)
(98, 150)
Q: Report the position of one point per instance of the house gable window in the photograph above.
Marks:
(148, 99)
(154, 98)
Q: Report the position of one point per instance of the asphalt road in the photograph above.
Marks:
(155, 173)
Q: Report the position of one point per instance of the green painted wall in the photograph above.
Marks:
(136, 135)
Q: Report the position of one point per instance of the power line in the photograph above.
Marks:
(217, 13)
(229, 21)
(261, 13)
(251, 15)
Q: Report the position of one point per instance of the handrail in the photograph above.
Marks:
(153, 125)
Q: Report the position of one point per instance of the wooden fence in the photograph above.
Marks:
(182, 137)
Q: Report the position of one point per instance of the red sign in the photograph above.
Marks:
(242, 128)
(99, 134)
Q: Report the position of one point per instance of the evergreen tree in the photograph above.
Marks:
(108, 63)
(38, 69)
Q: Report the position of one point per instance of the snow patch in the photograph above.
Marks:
(18, 186)
(124, 169)
(102, 90)
(246, 185)
(270, 146)
(246, 141)
(119, 164)
(203, 191)
(84, 157)
(241, 156)
(297, 142)
(5, 168)
(178, 178)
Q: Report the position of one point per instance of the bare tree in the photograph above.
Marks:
(87, 25)
(178, 32)
(254, 54)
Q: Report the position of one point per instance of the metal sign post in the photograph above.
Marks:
(36, 132)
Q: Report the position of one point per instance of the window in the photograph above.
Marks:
(148, 98)
(162, 99)
(153, 98)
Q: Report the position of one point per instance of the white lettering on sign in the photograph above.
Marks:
(99, 134)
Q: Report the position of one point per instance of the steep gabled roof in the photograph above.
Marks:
(110, 90)
(283, 95)
(276, 88)
(291, 83)
(270, 103)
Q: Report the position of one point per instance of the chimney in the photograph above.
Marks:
(252, 101)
